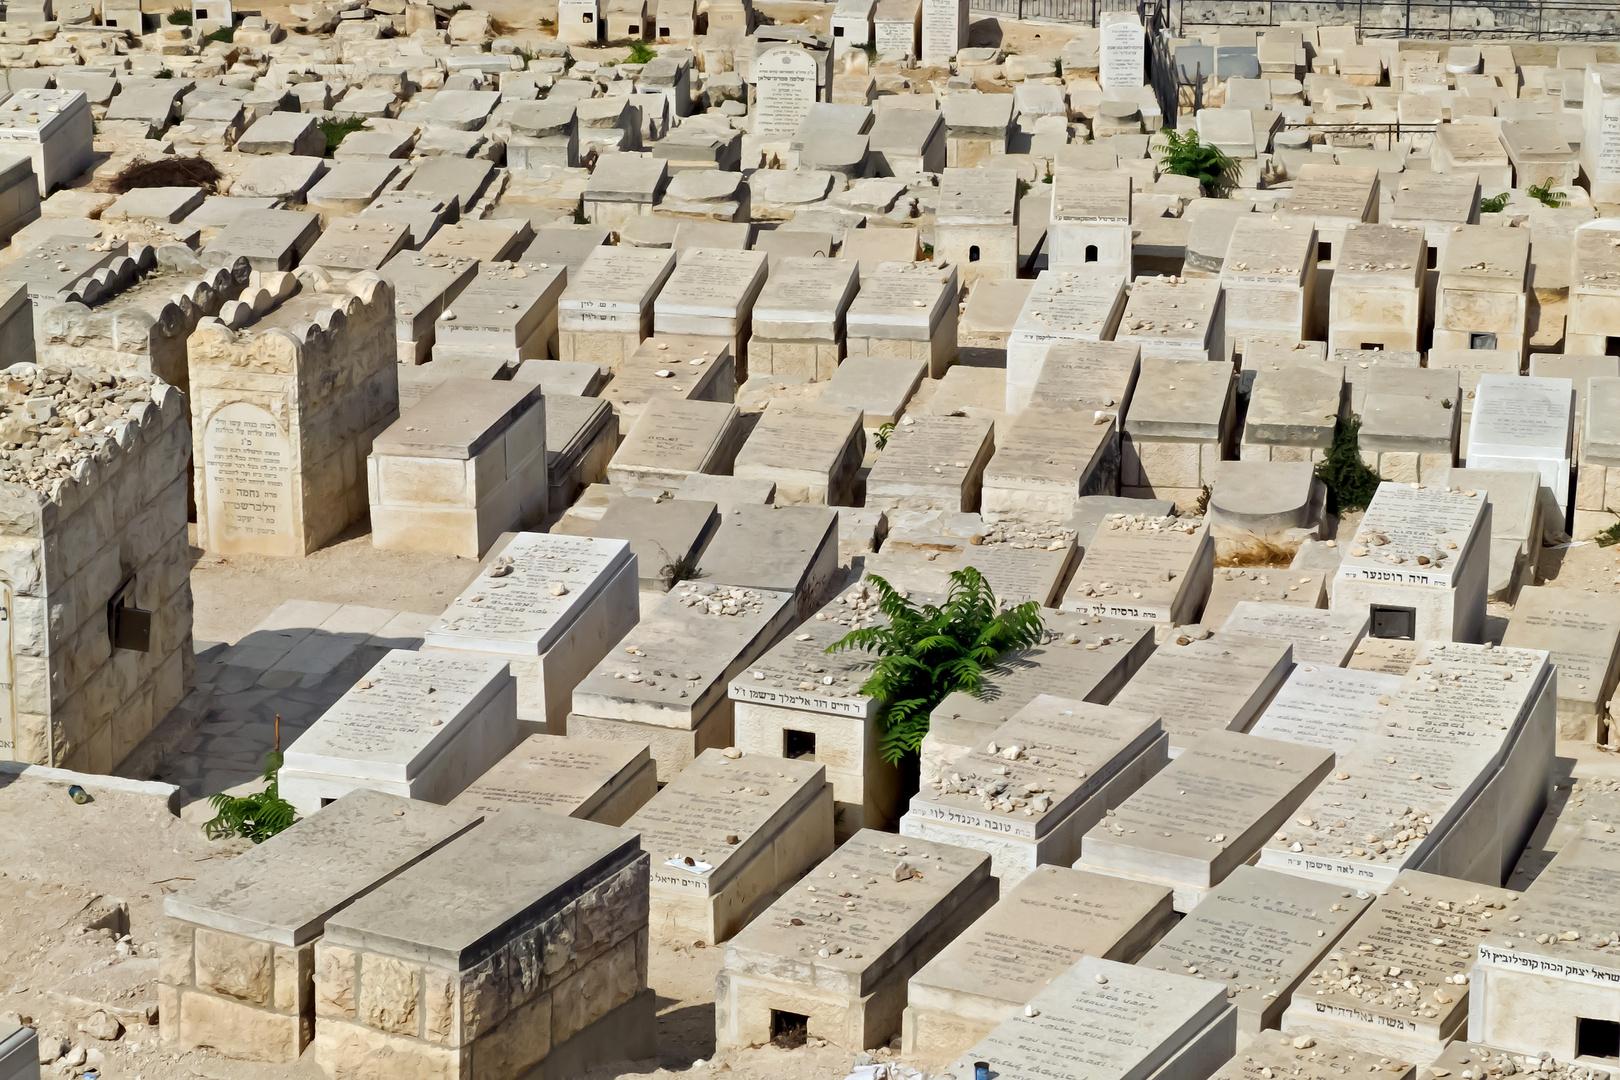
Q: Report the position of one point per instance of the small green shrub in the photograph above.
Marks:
(1546, 196)
(164, 73)
(180, 16)
(338, 130)
(227, 34)
(255, 817)
(1609, 537)
(640, 53)
(881, 438)
(1350, 483)
(1495, 204)
(1184, 155)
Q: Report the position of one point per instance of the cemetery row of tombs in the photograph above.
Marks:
(1212, 804)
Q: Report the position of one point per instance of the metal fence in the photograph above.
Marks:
(1083, 12)
(1518, 20)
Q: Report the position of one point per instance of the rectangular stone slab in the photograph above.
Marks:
(1328, 706)
(1218, 683)
(1040, 929)
(1581, 631)
(1428, 926)
(1258, 933)
(1318, 637)
(596, 779)
(285, 889)
(1272, 1053)
(1409, 524)
(545, 860)
(1205, 815)
(1103, 1020)
(1139, 571)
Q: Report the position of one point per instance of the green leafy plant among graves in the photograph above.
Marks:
(880, 438)
(1495, 204)
(1610, 536)
(926, 652)
(338, 130)
(255, 817)
(227, 34)
(640, 53)
(1350, 483)
(1184, 155)
(1544, 194)
(180, 16)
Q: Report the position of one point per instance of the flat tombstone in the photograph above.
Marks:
(1326, 706)
(1044, 467)
(1020, 574)
(1319, 637)
(1258, 933)
(1207, 814)
(845, 971)
(675, 437)
(727, 835)
(812, 452)
(1159, 572)
(1102, 1020)
(1067, 306)
(422, 725)
(1390, 656)
(936, 463)
(607, 308)
(1122, 52)
(1048, 774)
(1525, 423)
(269, 905)
(1273, 1053)
(249, 467)
(793, 549)
(1581, 632)
(595, 779)
(785, 82)
(1430, 927)
(550, 606)
(1040, 929)
(1219, 683)
(404, 975)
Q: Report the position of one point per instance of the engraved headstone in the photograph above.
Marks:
(1122, 51)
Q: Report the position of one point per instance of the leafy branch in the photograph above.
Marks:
(926, 652)
(255, 817)
(1205, 162)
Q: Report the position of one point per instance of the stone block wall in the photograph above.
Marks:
(1167, 469)
(120, 321)
(1597, 499)
(553, 973)
(290, 385)
(74, 535)
(241, 996)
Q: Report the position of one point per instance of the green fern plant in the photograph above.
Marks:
(1184, 155)
(1546, 196)
(925, 652)
(640, 53)
(1495, 204)
(881, 438)
(255, 817)
(338, 130)
(1350, 483)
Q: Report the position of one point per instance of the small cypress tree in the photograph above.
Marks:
(1350, 483)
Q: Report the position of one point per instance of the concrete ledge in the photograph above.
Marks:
(94, 782)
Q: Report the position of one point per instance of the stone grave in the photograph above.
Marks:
(670, 367)
(799, 701)
(1581, 633)
(1597, 489)
(1376, 301)
(906, 311)
(464, 464)
(711, 294)
(1180, 424)
(1048, 460)
(907, 899)
(1157, 571)
(1206, 814)
(594, 779)
(727, 836)
(507, 312)
(1294, 409)
(419, 725)
(1037, 931)
(1410, 422)
(423, 288)
(880, 388)
(1333, 707)
(1023, 570)
(1333, 198)
(673, 438)
(798, 318)
(1082, 657)
(1545, 985)
(1269, 281)
(1080, 305)
(812, 452)
(1325, 638)
(54, 129)
(666, 682)
(1262, 511)
(1428, 926)
(932, 463)
(944, 30)
(1199, 684)
(781, 548)
(1110, 1021)
(1459, 1055)
(607, 309)
(1590, 322)
(270, 240)
(1480, 300)
(977, 221)
(1471, 731)
(1294, 587)
(663, 531)
(1259, 932)
(1090, 226)
(785, 79)
(1029, 793)
(1176, 319)
(236, 963)
(623, 186)
(1418, 564)
(550, 607)
(1274, 1052)
(403, 976)
(1471, 365)
(1518, 511)
(1522, 423)
(290, 385)
(1122, 54)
